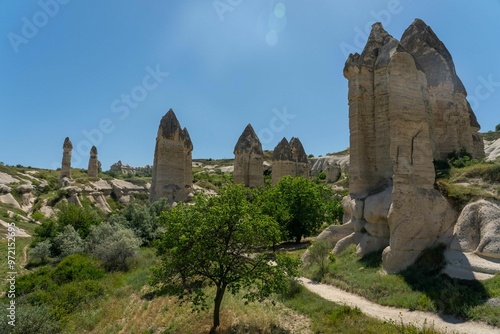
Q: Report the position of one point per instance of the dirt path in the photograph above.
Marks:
(446, 324)
(25, 256)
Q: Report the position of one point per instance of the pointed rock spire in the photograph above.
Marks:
(298, 152)
(248, 142)
(431, 55)
(66, 159)
(172, 167)
(248, 168)
(93, 170)
(282, 151)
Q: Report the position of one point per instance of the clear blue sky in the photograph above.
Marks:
(83, 69)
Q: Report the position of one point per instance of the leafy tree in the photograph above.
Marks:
(68, 242)
(113, 244)
(41, 251)
(80, 217)
(219, 242)
(497, 127)
(142, 219)
(320, 254)
(299, 205)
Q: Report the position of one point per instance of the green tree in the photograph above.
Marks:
(41, 251)
(304, 206)
(142, 219)
(497, 127)
(219, 242)
(80, 217)
(113, 244)
(68, 242)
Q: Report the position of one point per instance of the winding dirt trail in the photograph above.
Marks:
(446, 324)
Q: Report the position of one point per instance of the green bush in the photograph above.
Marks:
(40, 252)
(77, 267)
(113, 244)
(38, 280)
(31, 319)
(82, 218)
(68, 242)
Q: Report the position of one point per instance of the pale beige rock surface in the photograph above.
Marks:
(248, 159)
(172, 161)
(93, 169)
(406, 108)
(66, 159)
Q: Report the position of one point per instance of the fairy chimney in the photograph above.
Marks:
(283, 162)
(248, 168)
(300, 158)
(172, 161)
(93, 170)
(66, 159)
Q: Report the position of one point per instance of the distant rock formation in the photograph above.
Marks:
(283, 163)
(248, 159)
(94, 164)
(289, 159)
(66, 159)
(172, 168)
(407, 107)
(126, 169)
(300, 157)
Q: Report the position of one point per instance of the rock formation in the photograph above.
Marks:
(475, 249)
(289, 159)
(66, 159)
(454, 125)
(93, 170)
(248, 159)
(407, 107)
(125, 169)
(300, 158)
(172, 161)
(283, 162)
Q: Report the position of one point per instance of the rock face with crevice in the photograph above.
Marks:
(172, 161)
(66, 159)
(289, 159)
(248, 159)
(93, 170)
(407, 107)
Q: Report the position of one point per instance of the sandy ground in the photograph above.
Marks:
(446, 324)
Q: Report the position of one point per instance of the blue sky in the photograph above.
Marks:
(105, 72)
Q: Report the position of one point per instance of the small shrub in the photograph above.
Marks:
(68, 242)
(77, 267)
(31, 319)
(40, 252)
(319, 255)
(113, 244)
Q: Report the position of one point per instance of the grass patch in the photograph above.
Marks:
(329, 317)
(420, 287)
